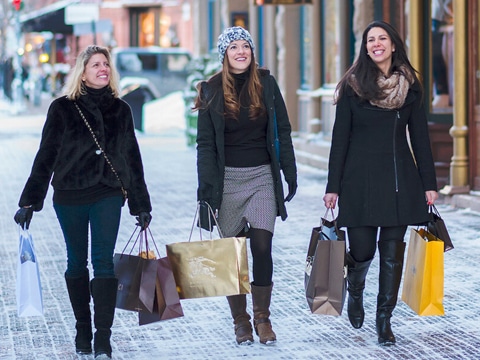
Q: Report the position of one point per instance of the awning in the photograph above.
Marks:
(49, 18)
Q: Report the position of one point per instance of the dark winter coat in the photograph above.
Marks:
(68, 151)
(210, 142)
(371, 166)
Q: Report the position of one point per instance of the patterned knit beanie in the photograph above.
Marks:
(229, 35)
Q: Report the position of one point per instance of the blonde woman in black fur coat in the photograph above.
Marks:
(87, 192)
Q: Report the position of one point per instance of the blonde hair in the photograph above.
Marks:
(74, 86)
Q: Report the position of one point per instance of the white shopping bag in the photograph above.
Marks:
(29, 289)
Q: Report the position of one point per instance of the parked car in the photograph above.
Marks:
(166, 68)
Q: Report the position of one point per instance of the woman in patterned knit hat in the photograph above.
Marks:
(239, 166)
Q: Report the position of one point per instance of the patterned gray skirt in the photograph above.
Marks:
(248, 197)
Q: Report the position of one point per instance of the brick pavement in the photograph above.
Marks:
(206, 330)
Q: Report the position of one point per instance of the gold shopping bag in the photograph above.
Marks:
(424, 274)
(210, 267)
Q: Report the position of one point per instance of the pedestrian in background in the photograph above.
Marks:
(381, 188)
(91, 174)
(239, 170)
(442, 16)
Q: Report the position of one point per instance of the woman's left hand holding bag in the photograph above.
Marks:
(144, 219)
(431, 196)
(23, 217)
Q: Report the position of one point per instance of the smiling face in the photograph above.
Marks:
(380, 48)
(97, 72)
(239, 56)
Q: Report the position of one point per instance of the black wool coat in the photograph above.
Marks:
(67, 150)
(211, 143)
(371, 167)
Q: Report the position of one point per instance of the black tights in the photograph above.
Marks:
(261, 247)
(363, 240)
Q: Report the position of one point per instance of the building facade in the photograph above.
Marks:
(308, 47)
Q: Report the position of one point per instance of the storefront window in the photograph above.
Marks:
(147, 29)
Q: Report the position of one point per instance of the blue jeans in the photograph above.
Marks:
(104, 219)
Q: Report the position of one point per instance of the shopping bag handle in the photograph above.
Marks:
(326, 214)
(432, 209)
(197, 216)
(334, 220)
(141, 235)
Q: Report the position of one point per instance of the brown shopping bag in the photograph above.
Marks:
(423, 279)
(146, 284)
(209, 268)
(325, 270)
(166, 304)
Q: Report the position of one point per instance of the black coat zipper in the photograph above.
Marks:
(395, 150)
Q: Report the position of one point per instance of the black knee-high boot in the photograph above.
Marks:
(79, 294)
(104, 293)
(357, 272)
(391, 266)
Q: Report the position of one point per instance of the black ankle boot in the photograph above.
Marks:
(391, 266)
(79, 294)
(356, 274)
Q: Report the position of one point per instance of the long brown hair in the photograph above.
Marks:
(254, 92)
(231, 99)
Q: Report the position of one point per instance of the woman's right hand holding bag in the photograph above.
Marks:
(23, 217)
(330, 200)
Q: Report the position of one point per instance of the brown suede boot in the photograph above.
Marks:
(241, 319)
(261, 296)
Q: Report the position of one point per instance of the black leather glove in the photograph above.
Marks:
(23, 217)
(144, 219)
(205, 218)
(292, 189)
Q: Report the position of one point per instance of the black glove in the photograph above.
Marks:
(23, 217)
(292, 189)
(144, 219)
(205, 218)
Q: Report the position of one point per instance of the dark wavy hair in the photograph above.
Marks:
(366, 71)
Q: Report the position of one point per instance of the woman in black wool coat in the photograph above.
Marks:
(380, 186)
(239, 169)
(89, 187)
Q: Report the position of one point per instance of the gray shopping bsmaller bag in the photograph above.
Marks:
(325, 269)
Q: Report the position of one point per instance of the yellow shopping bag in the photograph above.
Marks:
(423, 279)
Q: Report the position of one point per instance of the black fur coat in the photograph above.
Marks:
(68, 151)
